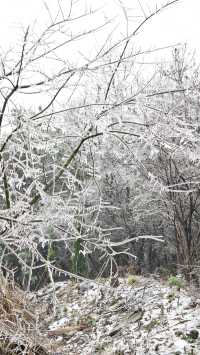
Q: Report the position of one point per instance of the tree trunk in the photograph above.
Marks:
(183, 249)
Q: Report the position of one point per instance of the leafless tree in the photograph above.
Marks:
(48, 176)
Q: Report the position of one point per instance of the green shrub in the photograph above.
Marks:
(131, 280)
(175, 281)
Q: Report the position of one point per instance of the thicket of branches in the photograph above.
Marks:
(57, 190)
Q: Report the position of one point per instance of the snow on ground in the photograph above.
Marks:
(148, 317)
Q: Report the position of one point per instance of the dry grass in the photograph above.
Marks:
(18, 324)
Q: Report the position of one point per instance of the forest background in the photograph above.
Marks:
(99, 155)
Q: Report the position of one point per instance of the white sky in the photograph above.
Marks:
(179, 23)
